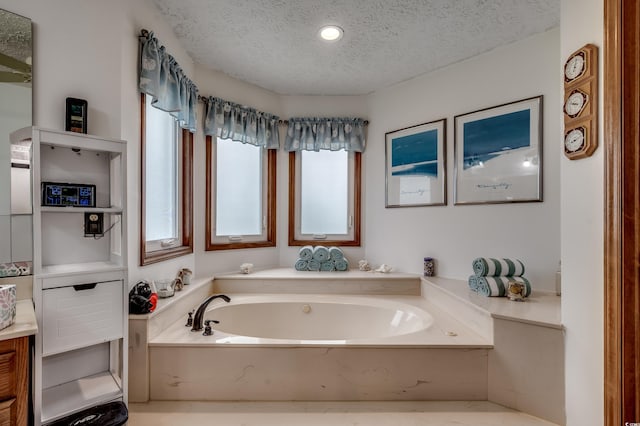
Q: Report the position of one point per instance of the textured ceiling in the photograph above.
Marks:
(274, 43)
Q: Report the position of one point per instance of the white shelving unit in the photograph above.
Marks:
(80, 283)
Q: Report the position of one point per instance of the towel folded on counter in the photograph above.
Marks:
(328, 266)
(496, 286)
(320, 253)
(489, 267)
(301, 265)
(342, 265)
(314, 265)
(306, 253)
(335, 253)
(321, 258)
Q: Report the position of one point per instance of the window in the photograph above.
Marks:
(324, 198)
(241, 209)
(166, 203)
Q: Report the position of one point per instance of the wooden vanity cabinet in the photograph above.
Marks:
(14, 381)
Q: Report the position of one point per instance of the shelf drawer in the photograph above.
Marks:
(81, 315)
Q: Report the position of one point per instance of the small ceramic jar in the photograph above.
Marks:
(429, 267)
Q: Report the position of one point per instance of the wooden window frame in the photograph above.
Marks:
(357, 206)
(272, 157)
(186, 222)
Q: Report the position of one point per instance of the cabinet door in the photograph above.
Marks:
(8, 376)
(14, 381)
(8, 412)
(81, 315)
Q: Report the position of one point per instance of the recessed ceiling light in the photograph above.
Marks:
(331, 33)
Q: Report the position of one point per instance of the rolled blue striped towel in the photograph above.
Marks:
(489, 267)
(305, 252)
(314, 265)
(328, 266)
(301, 265)
(342, 264)
(320, 253)
(335, 253)
(497, 286)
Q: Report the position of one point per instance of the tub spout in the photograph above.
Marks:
(199, 315)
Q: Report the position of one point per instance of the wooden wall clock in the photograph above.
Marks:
(581, 103)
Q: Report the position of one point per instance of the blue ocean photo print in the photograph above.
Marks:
(416, 165)
(498, 154)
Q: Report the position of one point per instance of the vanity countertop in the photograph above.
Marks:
(25, 323)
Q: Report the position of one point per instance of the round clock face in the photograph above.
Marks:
(574, 140)
(574, 67)
(574, 104)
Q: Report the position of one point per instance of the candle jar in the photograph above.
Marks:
(429, 267)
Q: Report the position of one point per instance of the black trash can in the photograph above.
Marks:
(109, 414)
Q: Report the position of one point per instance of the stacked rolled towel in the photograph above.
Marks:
(320, 253)
(306, 253)
(496, 286)
(491, 276)
(489, 267)
(321, 258)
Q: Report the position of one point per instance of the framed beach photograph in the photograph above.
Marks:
(415, 165)
(498, 154)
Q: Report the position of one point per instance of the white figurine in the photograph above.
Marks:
(246, 268)
(384, 268)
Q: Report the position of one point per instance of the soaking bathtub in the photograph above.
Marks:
(320, 347)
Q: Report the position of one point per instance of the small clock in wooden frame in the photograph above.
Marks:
(581, 102)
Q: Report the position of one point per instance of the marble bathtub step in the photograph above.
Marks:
(401, 413)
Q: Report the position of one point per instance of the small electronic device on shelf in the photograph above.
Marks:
(56, 194)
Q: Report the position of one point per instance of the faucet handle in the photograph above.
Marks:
(207, 327)
(190, 319)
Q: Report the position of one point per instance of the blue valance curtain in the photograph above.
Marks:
(334, 134)
(162, 78)
(239, 123)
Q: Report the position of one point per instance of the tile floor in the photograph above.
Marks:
(400, 413)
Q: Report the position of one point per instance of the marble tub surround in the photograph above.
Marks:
(232, 373)
(143, 328)
(526, 364)
(288, 280)
(541, 308)
(479, 348)
(445, 360)
(25, 323)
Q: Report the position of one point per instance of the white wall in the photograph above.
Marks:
(133, 17)
(582, 224)
(455, 235)
(316, 106)
(211, 83)
(89, 50)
